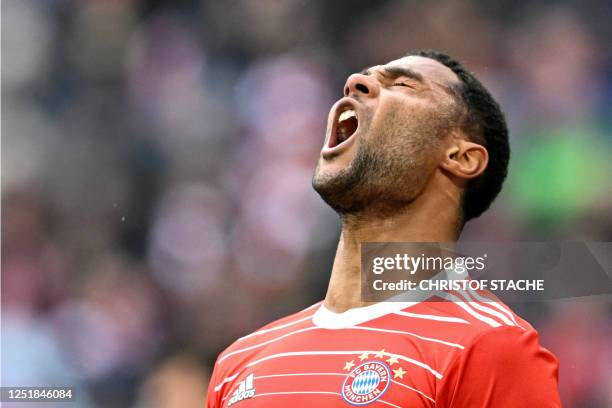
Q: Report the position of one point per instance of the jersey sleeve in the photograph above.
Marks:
(212, 397)
(505, 367)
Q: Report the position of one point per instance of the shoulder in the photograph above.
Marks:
(474, 314)
(507, 347)
(505, 365)
(481, 323)
(276, 328)
(226, 369)
(501, 352)
(453, 317)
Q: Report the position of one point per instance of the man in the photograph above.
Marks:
(416, 148)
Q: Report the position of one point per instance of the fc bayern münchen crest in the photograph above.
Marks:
(366, 383)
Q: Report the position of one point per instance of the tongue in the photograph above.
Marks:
(346, 128)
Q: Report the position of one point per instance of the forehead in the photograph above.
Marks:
(429, 68)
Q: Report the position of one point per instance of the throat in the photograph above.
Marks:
(344, 289)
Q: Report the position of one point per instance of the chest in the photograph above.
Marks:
(333, 368)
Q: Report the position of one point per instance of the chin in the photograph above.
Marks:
(331, 171)
(335, 185)
(327, 172)
(322, 178)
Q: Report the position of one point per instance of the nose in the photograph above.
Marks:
(361, 85)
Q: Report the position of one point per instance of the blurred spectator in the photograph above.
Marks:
(178, 382)
(156, 165)
(584, 346)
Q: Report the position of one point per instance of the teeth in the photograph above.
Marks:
(346, 115)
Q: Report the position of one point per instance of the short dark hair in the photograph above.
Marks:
(485, 124)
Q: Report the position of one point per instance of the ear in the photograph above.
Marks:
(465, 159)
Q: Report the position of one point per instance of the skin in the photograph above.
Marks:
(402, 176)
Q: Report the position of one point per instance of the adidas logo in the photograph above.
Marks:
(245, 390)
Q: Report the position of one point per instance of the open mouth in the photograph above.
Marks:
(345, 127)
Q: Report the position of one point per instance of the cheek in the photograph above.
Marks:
(394, 115)
(413, 120)
(410, 144)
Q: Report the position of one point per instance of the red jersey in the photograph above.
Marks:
(466, 350)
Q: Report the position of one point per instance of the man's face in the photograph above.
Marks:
(384, 138)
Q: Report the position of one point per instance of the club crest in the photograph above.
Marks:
(366, 383)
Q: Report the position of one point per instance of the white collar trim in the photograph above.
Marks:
(327, 319)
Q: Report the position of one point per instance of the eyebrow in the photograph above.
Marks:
(393, 72)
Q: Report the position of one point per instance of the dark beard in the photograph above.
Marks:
(369, 186)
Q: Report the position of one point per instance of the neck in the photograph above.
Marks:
(416, 223)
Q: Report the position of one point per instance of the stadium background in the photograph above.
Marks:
(156, 164)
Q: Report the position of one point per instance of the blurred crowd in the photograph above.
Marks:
(156, 165)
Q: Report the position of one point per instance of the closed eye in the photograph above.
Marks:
(403, 84)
